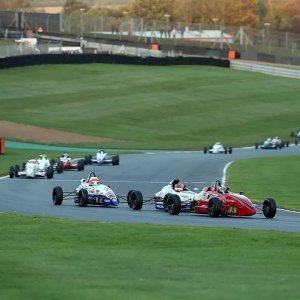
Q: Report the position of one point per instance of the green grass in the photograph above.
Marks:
(45, 258)
(176, 107)
(275, 177)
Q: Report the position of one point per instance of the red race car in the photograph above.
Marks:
(68, 163)
(218, 200)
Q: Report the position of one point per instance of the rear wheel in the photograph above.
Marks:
(80, 165)
(83, 198)
(205, 150)
(135, 200)
(57, 195)
(256, 146)
(269, 208)
(59, 167)
(172, 204)
(214, 207)
(230, 150)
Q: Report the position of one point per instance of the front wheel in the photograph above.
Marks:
(11, 172)
(214, 207)
(115, 160)
(83, 197)
(135, 200)
(57, 195)
(172, 204)
(49, 172)
(269, 208)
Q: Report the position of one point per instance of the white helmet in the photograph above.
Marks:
(94, 181)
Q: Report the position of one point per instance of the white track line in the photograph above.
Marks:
(225, 172)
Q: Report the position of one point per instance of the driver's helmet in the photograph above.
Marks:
(174, 182)
(101, 151)
(179, 187)
(94, 181)
(32, 161)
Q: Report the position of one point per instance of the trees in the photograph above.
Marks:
(151, 9)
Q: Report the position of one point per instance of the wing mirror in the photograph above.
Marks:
(82, 180)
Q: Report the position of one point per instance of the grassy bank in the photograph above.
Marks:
(176, 107)
(275, 177)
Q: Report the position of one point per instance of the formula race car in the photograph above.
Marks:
(218, 200)
(102, 158)
(33, 168)
(296, 135)
(272, 143)
(66, 162)
(217, 148)
(91, 191)
(172, 198)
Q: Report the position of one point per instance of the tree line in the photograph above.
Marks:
(277, 14)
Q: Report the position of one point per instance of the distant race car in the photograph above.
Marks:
(91, 191)
(217, 201)
(272, 143)
(172, 198)
(102, 158)
(217, 148)
(33, 168)
(66, 162)
(296, 135)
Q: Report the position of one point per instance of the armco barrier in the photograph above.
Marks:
(49, 59)
(266, 69)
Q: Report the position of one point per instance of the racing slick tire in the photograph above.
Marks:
(59, 167)
(205, 150)
(256, 146)
(87, 160)
(135, 200)
(80, 165)
(214, 207)
(57, 195)
(115, 160)
(83, 197)
(225, 150)
(230, 150)
(17, 169)
(172, 204)
(287, 143)
(11, 172)
(269, 208)
(49, 172)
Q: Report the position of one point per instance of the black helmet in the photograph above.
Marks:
(174, 182)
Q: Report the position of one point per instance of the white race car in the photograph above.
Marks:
(102, 158)
(217, 148)
(173, 198)
(91, 191)
(33, 168)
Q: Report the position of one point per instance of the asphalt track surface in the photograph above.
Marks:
(147, 173)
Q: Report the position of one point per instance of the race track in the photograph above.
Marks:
(147, 173)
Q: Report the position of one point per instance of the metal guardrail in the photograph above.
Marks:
(266, 69)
